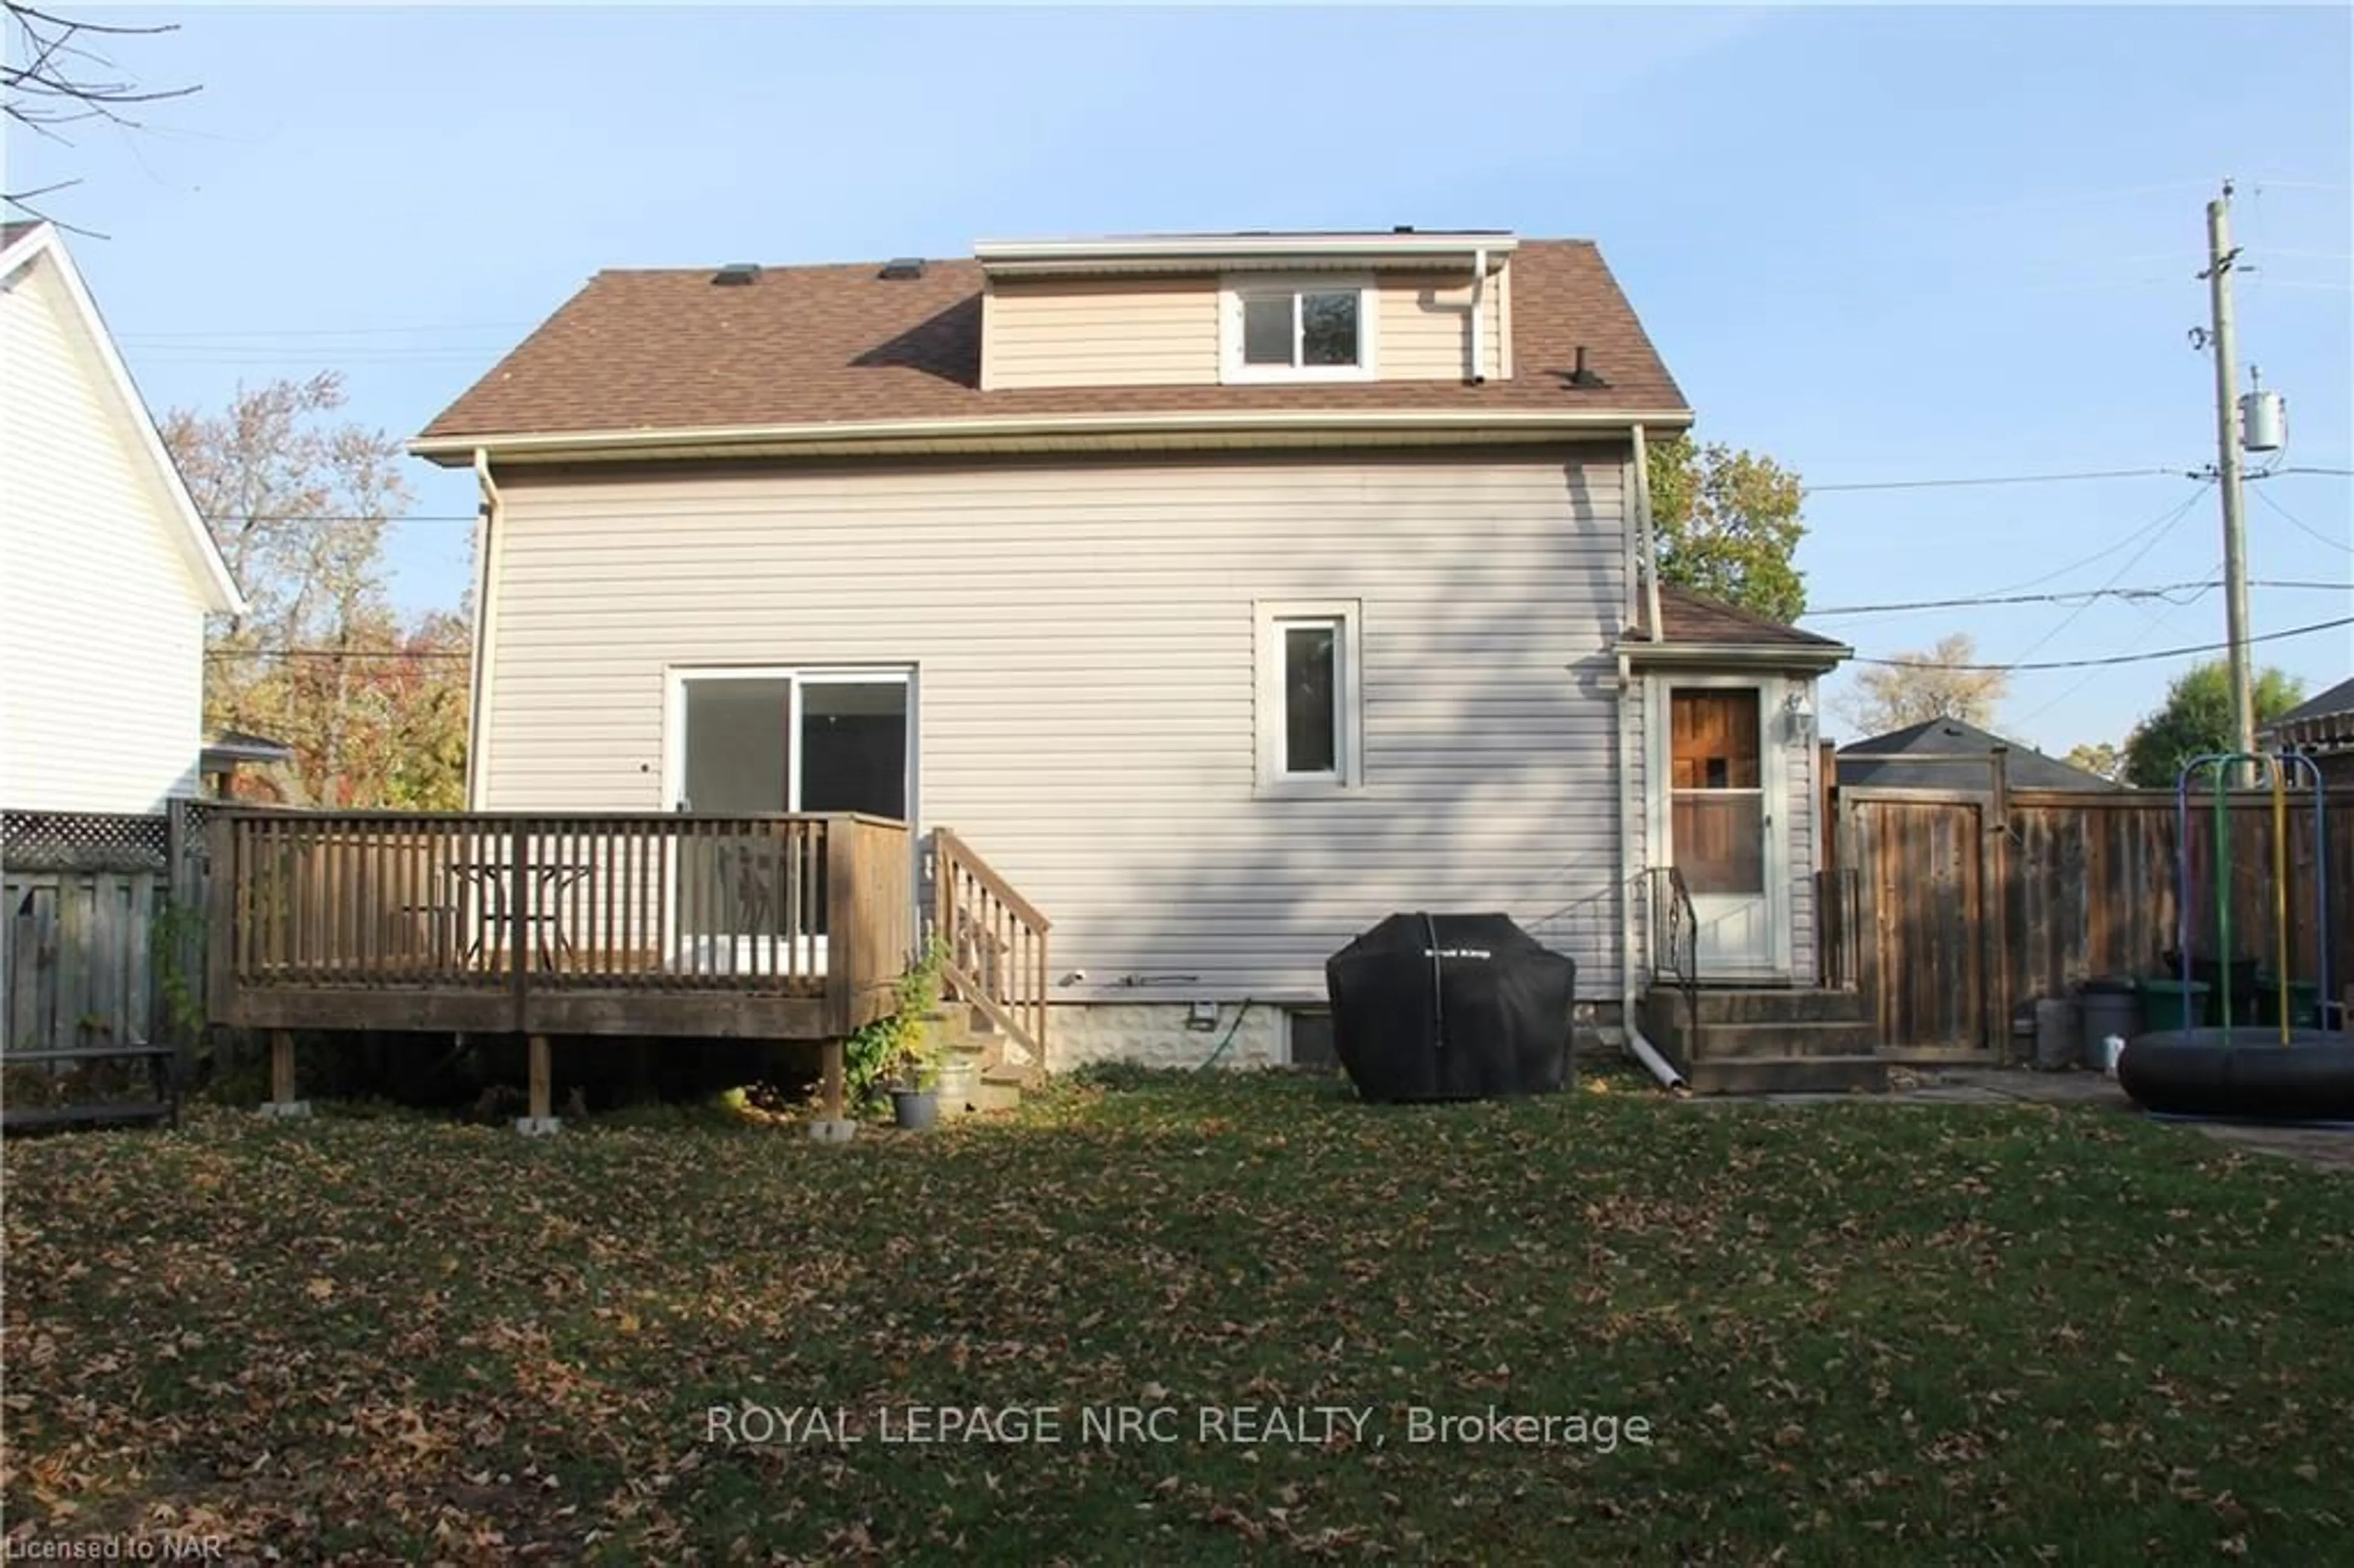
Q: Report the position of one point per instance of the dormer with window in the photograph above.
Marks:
(1247, 310)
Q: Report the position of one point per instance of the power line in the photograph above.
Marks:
(2163, 590)
(329, 653)
(2164, 520)
(2114, 659)
(341, 517)
(2158, 622)
(2301, 524)
(1998, 479)
(2157, 535)
(213, 333)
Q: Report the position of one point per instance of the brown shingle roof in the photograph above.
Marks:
(670, 350)
(1695, 619)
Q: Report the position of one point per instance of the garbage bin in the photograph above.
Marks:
(2304, 1002)
(2211, 973)
(2168, 1003)
(2056, 1048)
(2109, 1005)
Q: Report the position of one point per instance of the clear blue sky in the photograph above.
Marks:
(1877, 244)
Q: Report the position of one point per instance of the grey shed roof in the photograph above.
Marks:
(2326, 722)
(1880, 761)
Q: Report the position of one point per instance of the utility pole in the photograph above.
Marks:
(2221, 256)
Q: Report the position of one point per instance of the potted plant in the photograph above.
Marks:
(916, 1088)
(899, 1052)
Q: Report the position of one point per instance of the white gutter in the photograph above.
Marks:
(1224, 421)
(487, 538)
(1630, 804)
(1479, 337)
(1648, 544)
(1819, 659)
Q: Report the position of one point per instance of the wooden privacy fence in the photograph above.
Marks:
(787, 926)
(103, 961)
(87, 896)
(1972, 903)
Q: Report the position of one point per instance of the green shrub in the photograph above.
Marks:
(897, 1050)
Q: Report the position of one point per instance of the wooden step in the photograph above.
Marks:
(1751, 1042)
(1000, 1090)
(1790, 1076)
(1786, 1004)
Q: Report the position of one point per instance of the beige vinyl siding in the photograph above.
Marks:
(103, 703)
(1425, 331)
(1124, 332)
(1148, 332)
(1084, 639)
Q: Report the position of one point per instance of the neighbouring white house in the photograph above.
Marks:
(1226, 592)
(107, 571)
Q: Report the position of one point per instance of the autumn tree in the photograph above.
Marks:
(2097, 757)
(374, 709)
(2195, 721)
(56, 71)
(1726, 524)
(1942, 682)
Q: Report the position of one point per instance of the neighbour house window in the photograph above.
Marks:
(1299, 332)
(1307, 696)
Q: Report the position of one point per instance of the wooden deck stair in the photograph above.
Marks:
(1768, 1041)
(967, 1035)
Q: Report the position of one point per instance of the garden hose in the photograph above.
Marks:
(1231, 1030)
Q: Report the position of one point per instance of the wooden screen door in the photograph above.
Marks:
(1720, 825)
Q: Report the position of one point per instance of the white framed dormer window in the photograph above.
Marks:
(1297, 329)
(1310, 704)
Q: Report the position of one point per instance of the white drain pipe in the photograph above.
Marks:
(1478, 317)
(1630, 803)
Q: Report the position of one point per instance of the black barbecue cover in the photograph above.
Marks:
(1450, 1007)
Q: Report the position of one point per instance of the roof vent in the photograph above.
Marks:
(735, 274)
(1402, 229)
(1581, 375)
(902, 269)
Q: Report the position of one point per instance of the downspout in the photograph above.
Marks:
(479, 694)
(1478, 317)
(1647, 543)
(1630, 808)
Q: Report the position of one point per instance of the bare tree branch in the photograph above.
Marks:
(51, 77)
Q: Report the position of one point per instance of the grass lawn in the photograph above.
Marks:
(1856, 1333)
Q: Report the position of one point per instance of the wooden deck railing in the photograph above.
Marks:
(996, 946)
(791, 927)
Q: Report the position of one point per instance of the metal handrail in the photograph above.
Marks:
(1675, 941)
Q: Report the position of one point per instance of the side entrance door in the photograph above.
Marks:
(1724, 798)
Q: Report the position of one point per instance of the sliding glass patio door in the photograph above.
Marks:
(753, 741)
(793, 741)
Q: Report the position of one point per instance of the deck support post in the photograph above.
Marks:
(282, 1102)
(832, 1126)
(542, 1119)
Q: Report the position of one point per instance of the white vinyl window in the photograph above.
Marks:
(1309, 725)
(1306, 329)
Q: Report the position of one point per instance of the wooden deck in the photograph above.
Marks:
(772, 926)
